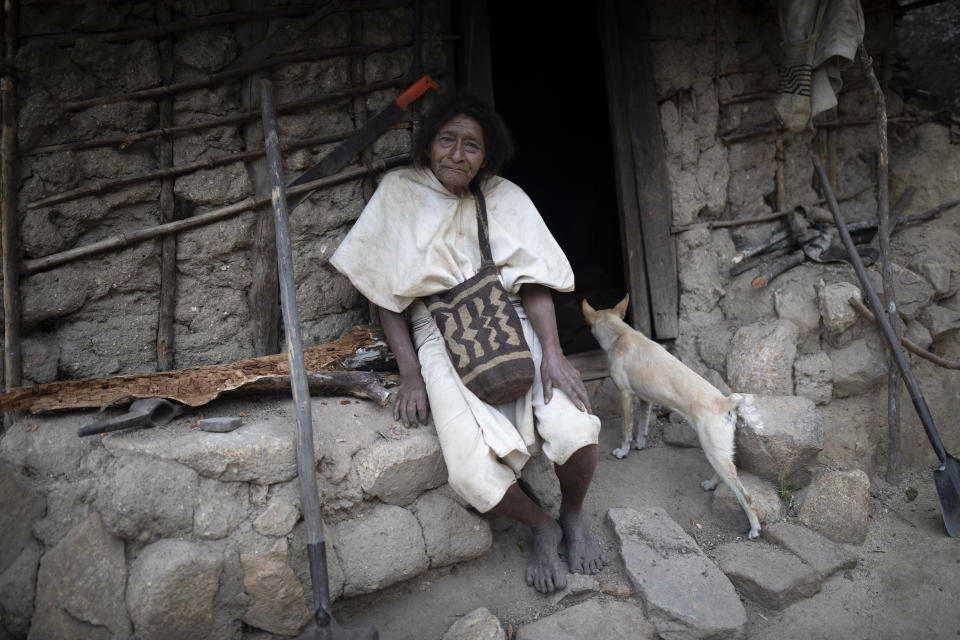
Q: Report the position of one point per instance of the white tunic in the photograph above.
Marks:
(415, 238)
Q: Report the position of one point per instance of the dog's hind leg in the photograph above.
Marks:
(643, 425)
(626, 409)
(717, 443)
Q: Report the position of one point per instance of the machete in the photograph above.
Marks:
(336, 159)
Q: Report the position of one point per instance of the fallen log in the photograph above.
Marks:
(196, 386)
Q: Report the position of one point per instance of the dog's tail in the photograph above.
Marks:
(742, 403)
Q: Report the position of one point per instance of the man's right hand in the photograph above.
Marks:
(410, 405)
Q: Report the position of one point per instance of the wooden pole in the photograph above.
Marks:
(166, 355)
(9, 215)
(263, 297)
(889, 297)
(214, 79)
(127, 239)
(309, 496)
(122, 142)
(111, 185)
(195, 23)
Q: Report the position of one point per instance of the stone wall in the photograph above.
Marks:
(177, 532)
(798, 335)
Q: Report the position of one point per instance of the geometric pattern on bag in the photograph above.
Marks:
(484, 337)
(481, 329)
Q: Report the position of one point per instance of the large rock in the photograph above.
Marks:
(277, 520)
(18, 510)
(382, 547)
(858, 367)
(786, 446)
(263, 451)
(595, 618)
(835, 309)
(221, 507)
(479, 624)
(81, 586)
(837, 505)
(824, 556)
(18, 584)
(763, 496)
(761, 356)
(767, 575)
(171, 590)
(278, 598)
(145, 499)
(451, 532)
(398, 470)
(940, 320)
(813, 377)
(685, 595)
(796, 301)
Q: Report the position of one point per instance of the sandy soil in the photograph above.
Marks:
(906, 583)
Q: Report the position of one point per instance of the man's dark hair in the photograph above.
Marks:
(497, 142)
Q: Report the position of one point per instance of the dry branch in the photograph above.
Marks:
(194, 386)
(160, 31)
(126, 239)
(770, 217)
(733, 137)
(907, 344)
(774, 269)
(761, 260)
(213, 79)
(883, 233)
(122, 142)
(98, 188)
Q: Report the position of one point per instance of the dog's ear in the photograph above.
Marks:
(589, 313)
(621, 308)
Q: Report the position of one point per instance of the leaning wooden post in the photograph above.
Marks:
(168, 211)
(263, 298)
(883, 236)
(9, 216)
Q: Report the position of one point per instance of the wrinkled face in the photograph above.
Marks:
(457, 153)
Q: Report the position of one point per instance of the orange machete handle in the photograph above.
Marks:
(416, 90)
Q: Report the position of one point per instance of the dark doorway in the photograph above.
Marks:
(548, 84)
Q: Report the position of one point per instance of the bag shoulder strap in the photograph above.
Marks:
(483, 234)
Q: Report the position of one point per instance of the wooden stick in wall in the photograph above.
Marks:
(9, 215)
(127, 239)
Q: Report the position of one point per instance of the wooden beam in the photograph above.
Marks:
(263, 297)
(631, 235)
(168, 211)
(9, 214)
(650, 169)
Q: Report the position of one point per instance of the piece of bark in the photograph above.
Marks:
(194, 386)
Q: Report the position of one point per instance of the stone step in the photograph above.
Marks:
(683, 591)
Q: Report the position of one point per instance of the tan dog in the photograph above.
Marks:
(640, 366)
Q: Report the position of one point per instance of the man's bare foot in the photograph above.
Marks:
(583, 552)
(544, 572)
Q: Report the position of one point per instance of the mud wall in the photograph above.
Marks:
(99, 316)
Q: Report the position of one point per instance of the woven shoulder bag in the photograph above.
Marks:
(482, 330)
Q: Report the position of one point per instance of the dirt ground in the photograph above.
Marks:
(905, 585)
